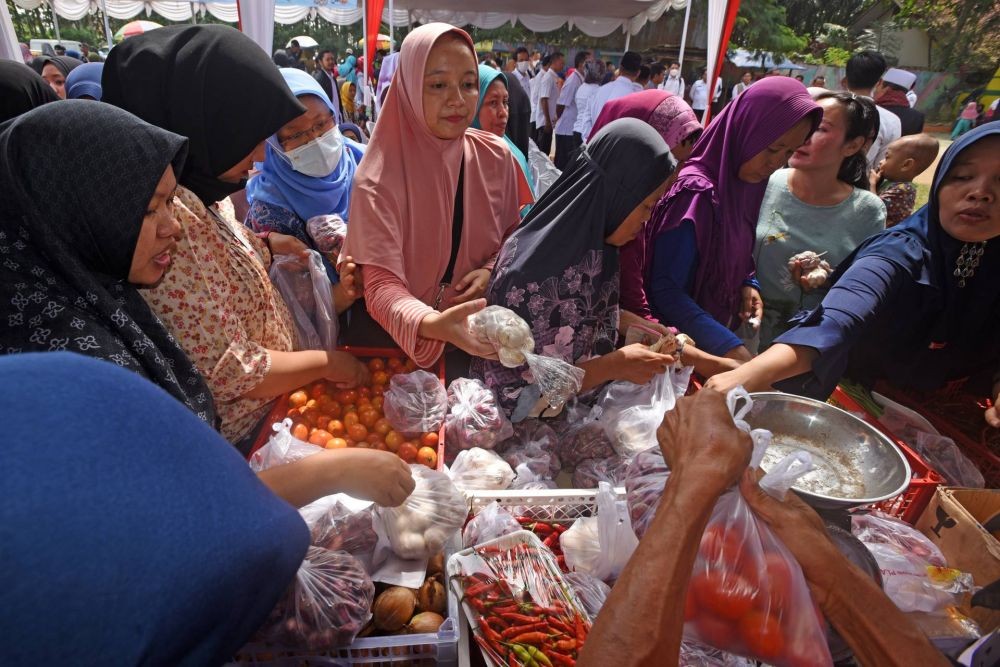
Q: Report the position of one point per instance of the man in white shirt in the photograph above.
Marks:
(548, 100)
(742, 85)
(699, 96)
(537, 121)
(522, 68)
(593, 73)
(864, 70)
(911, 97)
(566, 111)
(674, 83)
(624, 85)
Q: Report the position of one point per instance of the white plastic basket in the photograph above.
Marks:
(563, 505)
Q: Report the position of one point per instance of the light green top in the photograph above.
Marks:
(787, 226)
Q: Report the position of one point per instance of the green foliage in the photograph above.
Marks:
(809, 18)
(761, 26)
(964, 31)
(834, 56)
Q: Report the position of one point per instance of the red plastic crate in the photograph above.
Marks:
(958, 416)
(280, 408)
(910, 504)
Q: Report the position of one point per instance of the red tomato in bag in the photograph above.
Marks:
(762, 635)
(725, 594)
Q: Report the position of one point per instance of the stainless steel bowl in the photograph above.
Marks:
(853, 463)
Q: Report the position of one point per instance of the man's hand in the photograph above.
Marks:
(701, 443)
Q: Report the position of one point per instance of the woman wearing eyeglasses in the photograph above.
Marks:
(216, 298)
(307, 170)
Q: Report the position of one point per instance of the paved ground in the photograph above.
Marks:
(928, 175)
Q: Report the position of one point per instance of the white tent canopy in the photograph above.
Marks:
(596, 18)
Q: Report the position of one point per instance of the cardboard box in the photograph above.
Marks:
(954, 522)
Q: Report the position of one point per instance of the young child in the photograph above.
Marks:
(905, 159)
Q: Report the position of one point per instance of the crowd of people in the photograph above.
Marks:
(780, 237)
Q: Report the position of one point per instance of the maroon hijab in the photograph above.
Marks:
(668, 114)
(748, 125)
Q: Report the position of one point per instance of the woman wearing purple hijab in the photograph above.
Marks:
(699, 272)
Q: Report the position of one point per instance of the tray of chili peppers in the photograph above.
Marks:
(521, 610)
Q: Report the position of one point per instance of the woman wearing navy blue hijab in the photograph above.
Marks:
(916, 306)
(131, 532)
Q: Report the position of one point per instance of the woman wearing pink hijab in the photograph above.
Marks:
(433, 202)
(668, 114)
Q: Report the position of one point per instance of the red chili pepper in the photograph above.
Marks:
(566, 645)
(478, 605)
(581, 633)
(551, 540)
(519, 619)
(561, 561)
(477, 589)
(559, 625)
(490, 633)
(516, 630)
(511, 608)
(542, 529)
(560, 659)
(531, 638)
(561, 527)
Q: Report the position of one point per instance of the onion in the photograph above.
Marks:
(436, 564)
(424, 622)
(393, 608)
(432, 596)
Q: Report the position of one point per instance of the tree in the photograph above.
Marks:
(761, 27)
(964, 31)
(810, 17)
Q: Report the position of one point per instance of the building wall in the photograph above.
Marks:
(913, 48)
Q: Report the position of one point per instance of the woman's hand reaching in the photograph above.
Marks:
(452, 326)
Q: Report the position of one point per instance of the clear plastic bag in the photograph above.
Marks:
(511, 337)
(591, 471)
(644, 480)
(480, 469)
(534, 443)
(583, 438)
(423, 524)
(527, 479)
(747, 593)
(336, 528)
(328, 233)
(326, 606)
(415, 403)
(694, 654)
(631, 413)
(601, 545)
(281, 448)
(492, 522)
(592, 591)
(474, 418)
(518, 571)
(305, 288)
(915, 574)
(542, 168)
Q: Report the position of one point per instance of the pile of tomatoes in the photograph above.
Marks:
(335, 418)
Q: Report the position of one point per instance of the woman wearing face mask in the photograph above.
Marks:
(307, 169)
(820, 204)
(699, 243)
(674, 83)
(915, 306)
(217, 299)
(433, 201)
(559, 270)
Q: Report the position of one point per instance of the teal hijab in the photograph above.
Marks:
(487, 75)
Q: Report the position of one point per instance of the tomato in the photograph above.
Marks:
(725, 594)
(322, 420)
(719, 547)
(410, 365)
(336, 443)
(357, 432)
(378, 390)
(301, 432)
(317, 390)
(429, 440)
(368, 418)
(393, 440)
(345, 396)
(324, 401)
(375, 364)
(373, 439)
(350, 407)
(363, 402)
(428, 456)
(350, 419)
(297, 398)
(777, 591)
(690, 607)
(382, 426)
(364, 392)
(407, 452)
(381, 447)
(378, 402)
(319, 437)
(380, 378)
(312, 404)
(762, 635)
(394, 364)
(336, 428)
(715, 631)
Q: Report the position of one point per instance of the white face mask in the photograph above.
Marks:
(522, 66)
(320, 156)
(674, 73)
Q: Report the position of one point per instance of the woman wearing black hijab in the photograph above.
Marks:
(518, 127)
(55, 69)
(21, 90)
(73, 255)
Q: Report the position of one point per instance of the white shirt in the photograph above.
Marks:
(699, 95)
(911, 97)
(718, 90)
(675, 86)
(584, 121)
(522, 79)
(889, 129)
(739, 88)
(536, 87)
(567, 98)
(620, 87)
(548, 89)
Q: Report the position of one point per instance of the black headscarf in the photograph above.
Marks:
(64, 64)
(520, 114)
(211, 84)
(66, 245)
(21, 90)
(556, 271)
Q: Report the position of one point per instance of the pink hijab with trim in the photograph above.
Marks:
(403, 199)
(669, 115)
